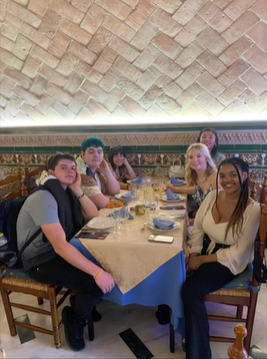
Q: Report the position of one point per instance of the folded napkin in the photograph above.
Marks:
(127, 195)
(122, 211)
(138, 180)
(175, 181)
(163, 224)
(171, 196)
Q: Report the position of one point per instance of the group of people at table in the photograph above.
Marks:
(224, 218)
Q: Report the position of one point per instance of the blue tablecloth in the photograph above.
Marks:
(162, 287)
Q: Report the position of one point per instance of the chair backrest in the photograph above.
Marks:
(262, 236)
(12, 186)
(31, 175)
(259, 191)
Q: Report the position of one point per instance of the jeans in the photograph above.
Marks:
(208, 278)
(57, 271)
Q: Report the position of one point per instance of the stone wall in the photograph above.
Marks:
(79, 61)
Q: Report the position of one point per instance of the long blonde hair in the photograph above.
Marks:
(190, 174)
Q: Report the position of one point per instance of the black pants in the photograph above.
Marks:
(207, 278)
(57, 271)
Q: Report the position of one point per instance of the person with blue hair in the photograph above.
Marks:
(97, 179)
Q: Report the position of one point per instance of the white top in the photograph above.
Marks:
(240, 253)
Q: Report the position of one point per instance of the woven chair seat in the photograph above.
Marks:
(240, 286)
(17, 276)
(25, 283)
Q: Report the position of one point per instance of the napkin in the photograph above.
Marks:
(127, 195)
(138, 180)
(171, 196)
(121, 210)
(163, 224)
(175, 181)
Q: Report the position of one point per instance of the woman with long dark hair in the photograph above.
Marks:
(120, 166)
(209, 137)
(228, 219)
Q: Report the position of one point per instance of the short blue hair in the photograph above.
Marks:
(92, 142)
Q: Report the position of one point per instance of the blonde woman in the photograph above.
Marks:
(200, 173)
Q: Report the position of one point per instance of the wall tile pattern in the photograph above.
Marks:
(78, 60)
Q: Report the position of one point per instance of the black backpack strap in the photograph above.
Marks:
(29, 241)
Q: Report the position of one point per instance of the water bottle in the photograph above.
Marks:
(3, 239)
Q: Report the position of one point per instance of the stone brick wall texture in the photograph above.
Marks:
(74, 60)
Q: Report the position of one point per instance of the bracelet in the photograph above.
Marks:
(98, 274)
(80, 196)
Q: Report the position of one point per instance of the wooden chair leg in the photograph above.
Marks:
(40, 301)
(239, 311)
(250, 320)
(54, 317)
(8, 310)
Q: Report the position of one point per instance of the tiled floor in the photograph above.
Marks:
(116, 319)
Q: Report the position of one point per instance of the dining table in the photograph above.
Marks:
(146, 273)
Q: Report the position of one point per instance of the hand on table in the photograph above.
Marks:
(105, 282)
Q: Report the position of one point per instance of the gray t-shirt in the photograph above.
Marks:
(40, 208)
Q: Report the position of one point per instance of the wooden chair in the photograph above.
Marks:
(241, 292)
(259, 191)
(31, 175)
(12, 186)
(17, 281)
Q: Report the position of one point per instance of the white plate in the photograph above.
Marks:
(100, 223)
(118, 196)
(156, 230)
(163, 198)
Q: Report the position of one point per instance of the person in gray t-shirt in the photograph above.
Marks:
(51, 258)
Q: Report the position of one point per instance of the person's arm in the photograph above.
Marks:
(89, 209)
(237, 256)
(56, 236)
(130, 171)
(181, 189)
(195, 261)
(112, 185)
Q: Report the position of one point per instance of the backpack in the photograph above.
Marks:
(10, 256)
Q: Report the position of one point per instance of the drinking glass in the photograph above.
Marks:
(114, 217)
(124, 215)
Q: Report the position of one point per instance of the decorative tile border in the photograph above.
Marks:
(153, 138)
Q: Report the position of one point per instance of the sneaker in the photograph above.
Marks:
(73, 330)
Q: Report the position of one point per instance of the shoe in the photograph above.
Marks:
(73, 330)
(96, 316)
(163, 314)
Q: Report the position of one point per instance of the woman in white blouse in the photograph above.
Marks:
(228, 219)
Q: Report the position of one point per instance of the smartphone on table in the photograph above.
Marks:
(160, 239)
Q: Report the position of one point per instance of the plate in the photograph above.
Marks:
(100, 223)
(163, 198)
(118, 196)
(156, 230)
